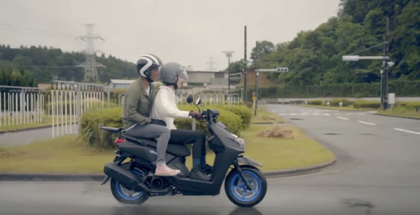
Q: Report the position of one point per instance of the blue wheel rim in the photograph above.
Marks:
(238, 187)
(125, 195)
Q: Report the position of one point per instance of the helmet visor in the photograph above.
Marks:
(183, 74)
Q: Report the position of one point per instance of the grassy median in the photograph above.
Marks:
(69, 155)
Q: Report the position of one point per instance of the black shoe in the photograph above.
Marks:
(197, 174)
(207, 169)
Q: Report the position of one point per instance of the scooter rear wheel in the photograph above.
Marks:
(125, 195)
(237, 192)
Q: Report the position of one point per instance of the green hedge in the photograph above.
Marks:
(336, 102)
(367, 104)
(413, 106)
(111, 117)
(90, 123)
(244, 112)
(315, 102)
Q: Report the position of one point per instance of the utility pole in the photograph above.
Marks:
(384, 72)
(211, 63)
(257, 74)
(90, 66)
(228, 55)
(245, 66)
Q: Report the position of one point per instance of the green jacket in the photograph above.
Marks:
(137, 104)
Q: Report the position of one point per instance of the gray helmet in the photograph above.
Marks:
(170, 72)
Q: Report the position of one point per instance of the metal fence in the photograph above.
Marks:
(21, 105)
(68, 101)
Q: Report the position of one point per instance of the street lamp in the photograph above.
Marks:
(357, 58)
(228, 55)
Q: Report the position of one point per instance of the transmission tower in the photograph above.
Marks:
(91, 72)
(211, 63)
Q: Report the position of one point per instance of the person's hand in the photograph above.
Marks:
(195, 115)
(158, 122)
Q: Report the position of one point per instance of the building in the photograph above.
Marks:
(124, 84)
(207, 78)
(119, 83)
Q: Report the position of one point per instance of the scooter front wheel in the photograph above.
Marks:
(237, 192)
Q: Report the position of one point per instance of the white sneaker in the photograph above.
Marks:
(163, 170)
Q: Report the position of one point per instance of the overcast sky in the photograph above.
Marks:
(184, 31)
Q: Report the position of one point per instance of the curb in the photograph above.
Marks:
(299, 171)
(97, 177)
(266, 123)
(403, 117)
(33, 128)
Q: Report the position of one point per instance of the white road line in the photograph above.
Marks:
(367, 123)
(282, 114)
(326, 114)
(413, 132)
(343, 118)
(349, 113)
(316, 114)
(293, 114)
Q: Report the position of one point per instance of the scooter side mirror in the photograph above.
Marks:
(189, 99)
(198, 101)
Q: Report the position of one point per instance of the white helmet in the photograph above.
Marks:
(146, 64)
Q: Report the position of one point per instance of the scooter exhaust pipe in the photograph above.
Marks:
(125, 177)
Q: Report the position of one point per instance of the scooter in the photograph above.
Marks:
(133, 181)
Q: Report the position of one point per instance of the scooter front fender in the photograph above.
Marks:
(249, 161)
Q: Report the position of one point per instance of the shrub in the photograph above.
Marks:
(315, 102)
(413, 106)
(90, 123)
(232, 121)
(249, 104)
(242, 111)
(367, 104)
(336, 102)
(111, 117)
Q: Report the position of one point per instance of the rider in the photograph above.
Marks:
(136, 118)
(165, 108)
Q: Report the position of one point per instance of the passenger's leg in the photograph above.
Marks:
(162, 135)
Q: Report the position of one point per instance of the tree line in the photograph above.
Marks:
(314, 57)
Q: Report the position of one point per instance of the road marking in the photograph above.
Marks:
(349, 113)
(413, 132)
(367, 123)
(282, 114)
(326, 114)
(293, 114)
(343, 118)
(316, 114)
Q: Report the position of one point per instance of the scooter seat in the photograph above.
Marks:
(180, 150)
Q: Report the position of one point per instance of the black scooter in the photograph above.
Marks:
(133, 182)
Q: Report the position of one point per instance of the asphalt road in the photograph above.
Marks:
(377, 172)
(26, 137)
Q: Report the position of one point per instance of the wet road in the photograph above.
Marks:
(377, 172)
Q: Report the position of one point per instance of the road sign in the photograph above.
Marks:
(254, 98)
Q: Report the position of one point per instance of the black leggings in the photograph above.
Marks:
(197, 138)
